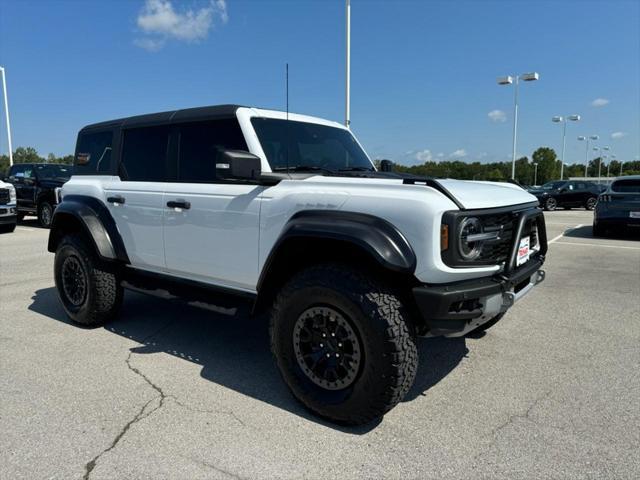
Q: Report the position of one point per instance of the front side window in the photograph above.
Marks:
(93, 155)
(552, 185)
(54, 172)
(201, 143)
(309, 146)
(144, 154)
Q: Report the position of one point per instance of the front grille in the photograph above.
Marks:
(497, 251)
(4, 196)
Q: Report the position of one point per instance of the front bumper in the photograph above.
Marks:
(456, 308)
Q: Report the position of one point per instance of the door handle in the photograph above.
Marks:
(117, 199)
(179, 204)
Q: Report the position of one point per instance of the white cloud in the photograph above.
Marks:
(440, 155)
(599, 102)
(424, 156)
(160, 21)
(460, 153)
(618, 135)
(497, 116)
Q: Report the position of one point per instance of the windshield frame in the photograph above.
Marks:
(245, 116)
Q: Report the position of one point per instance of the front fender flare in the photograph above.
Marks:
(378, 237)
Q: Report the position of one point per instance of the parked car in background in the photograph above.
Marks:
(7, 207)
(37, 188)
(618, 207)
(567, 194)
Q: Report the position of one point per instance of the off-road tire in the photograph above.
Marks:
(103, 290)
(591, 202)
(550, 204)
(45, 214)
(389, 353)
(7, 228)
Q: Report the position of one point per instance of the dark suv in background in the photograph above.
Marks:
(37, 186)
(567, 194)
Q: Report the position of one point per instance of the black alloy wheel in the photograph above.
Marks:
(591, 203)
(74, 281)
(550, 204)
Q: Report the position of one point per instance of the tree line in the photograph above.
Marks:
(546, 159)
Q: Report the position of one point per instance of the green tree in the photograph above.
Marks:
(548, 167)
(26, 155)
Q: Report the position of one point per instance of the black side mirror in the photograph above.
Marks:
(386, 166)
(238, 164)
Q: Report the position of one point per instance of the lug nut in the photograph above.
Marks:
(324, 335)
(339, 344)
(322, 345)
(333, 334)
(337, 355)
(328, 355)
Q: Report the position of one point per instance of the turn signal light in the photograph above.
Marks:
(444, 237)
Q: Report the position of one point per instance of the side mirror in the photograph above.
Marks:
(238, 164)
(386, 166)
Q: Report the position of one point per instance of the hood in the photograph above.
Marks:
(473, 194)
(538, 191)
(469, 194)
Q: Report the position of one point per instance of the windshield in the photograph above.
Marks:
(552, 185)
(311, 146)
(54, 172)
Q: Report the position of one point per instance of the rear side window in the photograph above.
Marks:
(626, 186)
(93, 154)
(201, 143)
(144, 154)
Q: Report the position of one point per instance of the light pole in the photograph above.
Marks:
(347, 107)
(6, 112)
(612, 157)
(535, 173)
(563, 120)
(586, 152)
(621, 163)
(602, 150)
(508, 80)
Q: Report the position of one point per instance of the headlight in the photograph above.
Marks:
(469, 239)
(12, 194)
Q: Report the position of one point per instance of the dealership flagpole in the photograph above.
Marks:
(347, 108)
(6, 111)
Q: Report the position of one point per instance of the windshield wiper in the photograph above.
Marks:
(356, 169)
(303, 168)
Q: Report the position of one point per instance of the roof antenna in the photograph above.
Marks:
(287, 128)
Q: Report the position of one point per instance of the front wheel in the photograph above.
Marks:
(45, 214)
(89, 294)
(342, 344)
(591, 203)
(7, 228)
(550, 204)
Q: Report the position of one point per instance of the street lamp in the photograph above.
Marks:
(508, 80)
(535, 173)
(602, 150)
(612, 157)
(6, 112)
(586, 153)
(563, 120)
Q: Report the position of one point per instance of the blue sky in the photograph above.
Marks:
(423, 73)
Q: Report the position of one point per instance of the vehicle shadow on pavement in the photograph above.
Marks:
(234, 350)
(586, 231)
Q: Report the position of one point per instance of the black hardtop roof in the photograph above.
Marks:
(182, 115)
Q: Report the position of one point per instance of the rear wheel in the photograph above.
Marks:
(591, 203)
(342, 344)
(550, 204)
(45, 214)
(7, 228)
(89, 294)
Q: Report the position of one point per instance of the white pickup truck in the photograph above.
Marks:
(231, 204)
(8, 213)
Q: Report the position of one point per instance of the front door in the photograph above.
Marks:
(211, 226)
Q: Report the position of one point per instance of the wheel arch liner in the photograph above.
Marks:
(96, 222)
(375, 235)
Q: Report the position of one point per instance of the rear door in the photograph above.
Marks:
(211, 225)
(135, 196)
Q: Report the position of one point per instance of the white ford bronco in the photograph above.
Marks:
(231, 205)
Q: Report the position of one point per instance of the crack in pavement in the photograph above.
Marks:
(494, 433)
(141, 415)
(201, 410)
(215, 468)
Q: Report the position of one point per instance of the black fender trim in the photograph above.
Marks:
(375, 235)
(96, 221)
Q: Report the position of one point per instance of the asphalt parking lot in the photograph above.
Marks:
(172, 391)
